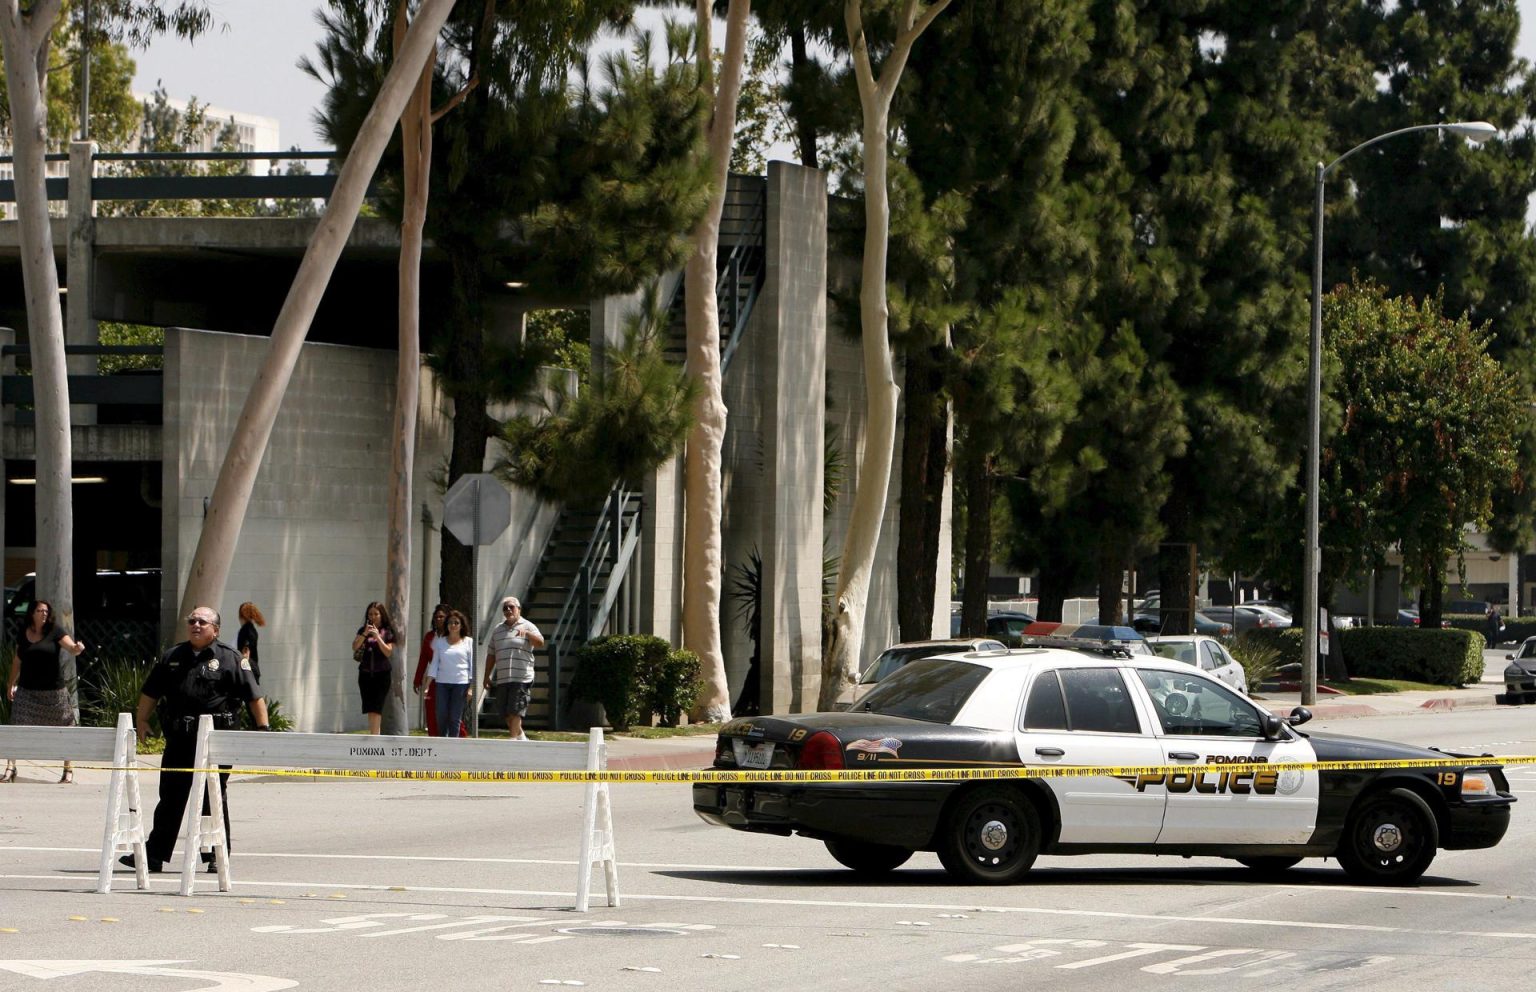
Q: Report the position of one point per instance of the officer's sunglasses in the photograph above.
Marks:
(199, 622)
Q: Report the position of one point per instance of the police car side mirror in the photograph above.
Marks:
(1299, 716)
(1509, 657)
(1271, 726)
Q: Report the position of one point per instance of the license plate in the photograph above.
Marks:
(757, 755)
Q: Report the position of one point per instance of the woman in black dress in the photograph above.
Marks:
(38, 689)
(246, 640)
(371, 648)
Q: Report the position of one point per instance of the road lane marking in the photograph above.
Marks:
(935, 907)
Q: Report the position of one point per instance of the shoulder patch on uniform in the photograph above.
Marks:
(245, 664)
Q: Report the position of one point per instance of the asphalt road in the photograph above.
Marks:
(383, 886)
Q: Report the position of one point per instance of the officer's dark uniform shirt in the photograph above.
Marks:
(188, 683)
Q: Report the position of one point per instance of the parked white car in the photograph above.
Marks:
(1205, 653)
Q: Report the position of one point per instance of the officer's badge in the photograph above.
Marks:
(213, 663)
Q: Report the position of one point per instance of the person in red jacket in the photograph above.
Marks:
(439, 629)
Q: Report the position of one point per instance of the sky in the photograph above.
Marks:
(251, 63)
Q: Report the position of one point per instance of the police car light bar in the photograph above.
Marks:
(1103, 638)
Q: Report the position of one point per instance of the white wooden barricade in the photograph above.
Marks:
(251, 749)
(124, 830)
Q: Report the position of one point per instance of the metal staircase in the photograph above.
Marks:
(581, 572)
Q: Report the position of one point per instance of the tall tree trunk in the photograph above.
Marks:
(1175, 571)
(799, 66)
(978, 539)
(1111, 570)
(1056, 580)
(924, 459)
(24, 40)
(465, 360)
(416, 141)
(232, 492)
(851, 598)
(702, 554)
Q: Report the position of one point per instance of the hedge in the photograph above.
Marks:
(1438, 657)
(636, 677)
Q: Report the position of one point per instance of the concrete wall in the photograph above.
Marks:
(312, 549)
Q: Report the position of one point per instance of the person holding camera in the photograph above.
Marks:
(371, 648)
(201, 675)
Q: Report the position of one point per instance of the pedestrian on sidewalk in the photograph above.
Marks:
(452, 665)
(38, 688)
(1493, 625)
(427, 689)
(200, 676)
(371, 648)
(509, 664)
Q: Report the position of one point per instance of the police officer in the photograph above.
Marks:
(200, 675)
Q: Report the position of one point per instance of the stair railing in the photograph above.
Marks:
(595, 586)
(616, 536)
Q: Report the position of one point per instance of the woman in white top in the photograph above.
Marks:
(452, 668)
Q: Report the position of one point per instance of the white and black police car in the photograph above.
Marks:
(1145, 720)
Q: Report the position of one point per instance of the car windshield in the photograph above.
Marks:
(931, 689)
(1527, 650)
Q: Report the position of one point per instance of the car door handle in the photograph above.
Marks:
(1049, 752)
(1183, 755)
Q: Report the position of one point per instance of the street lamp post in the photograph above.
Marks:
(1477, 131)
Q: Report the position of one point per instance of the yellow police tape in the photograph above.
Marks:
(887, 774)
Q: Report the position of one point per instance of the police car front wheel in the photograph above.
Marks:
(1390, 839)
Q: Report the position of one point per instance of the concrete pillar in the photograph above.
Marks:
(793, 330)
(79, 328)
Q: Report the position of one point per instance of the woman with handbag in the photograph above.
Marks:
(371, 648)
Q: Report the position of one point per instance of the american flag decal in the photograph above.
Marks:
(885, 745)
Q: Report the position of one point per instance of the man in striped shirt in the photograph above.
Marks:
(509, 664)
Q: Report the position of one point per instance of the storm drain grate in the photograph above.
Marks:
(620, 932)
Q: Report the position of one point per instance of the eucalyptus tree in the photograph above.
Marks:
(703, 555)
(877, 88)
(591, 183)
(242, 459)
(26, 36)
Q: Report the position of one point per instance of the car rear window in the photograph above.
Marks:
(1178, 651)
(932, 689)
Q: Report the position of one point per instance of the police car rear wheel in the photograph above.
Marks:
(991, 837)
(1390, 840)
(868, 859)
(1269, 864)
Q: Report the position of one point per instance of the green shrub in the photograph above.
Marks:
(1286, 642)
(668, 689)
(1439, 657)
(1516, 629)
(1259, 656)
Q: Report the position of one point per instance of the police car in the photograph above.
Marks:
(1144, 719)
